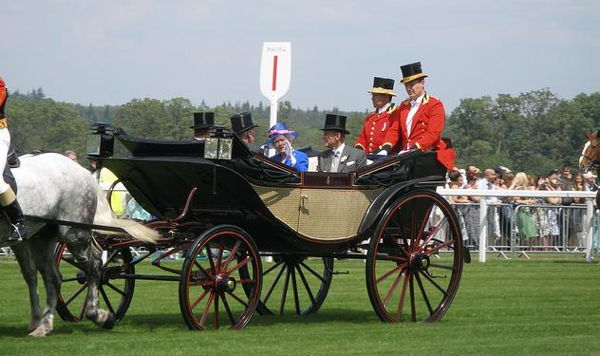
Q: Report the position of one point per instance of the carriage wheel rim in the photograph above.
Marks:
(221, 284)
(411, 274)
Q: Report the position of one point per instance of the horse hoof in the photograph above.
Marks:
(39, 332)
(110, 322)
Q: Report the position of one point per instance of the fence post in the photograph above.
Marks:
(590, 229)
(483, 227)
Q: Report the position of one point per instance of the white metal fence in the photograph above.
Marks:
(496, 228)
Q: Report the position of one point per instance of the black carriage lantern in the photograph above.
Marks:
(100, 140)
(219, 144)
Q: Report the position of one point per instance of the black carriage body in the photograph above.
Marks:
(283, 210)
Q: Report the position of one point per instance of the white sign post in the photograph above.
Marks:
(275, 73)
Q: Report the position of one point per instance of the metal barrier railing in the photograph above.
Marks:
(507, 229)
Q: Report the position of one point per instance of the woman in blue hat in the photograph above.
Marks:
(281, 139)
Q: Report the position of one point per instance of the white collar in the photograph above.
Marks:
(384, 108)
(339, 149)
(418, 100)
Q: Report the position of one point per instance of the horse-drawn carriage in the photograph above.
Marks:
(227, 209)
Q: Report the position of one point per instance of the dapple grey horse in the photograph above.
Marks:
(54, 187)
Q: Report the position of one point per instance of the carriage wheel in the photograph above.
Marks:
(414, 262)
(294, 284)
(115, 292)
(213, 290)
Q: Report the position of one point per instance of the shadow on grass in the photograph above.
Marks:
(151, 321)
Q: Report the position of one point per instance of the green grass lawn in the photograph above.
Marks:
(542, 306)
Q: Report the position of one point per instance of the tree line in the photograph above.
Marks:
(533, 132)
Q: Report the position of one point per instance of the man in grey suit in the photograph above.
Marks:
(339, 157)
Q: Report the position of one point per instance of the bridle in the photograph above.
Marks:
(594, 163)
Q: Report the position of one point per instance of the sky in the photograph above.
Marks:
(112, 51)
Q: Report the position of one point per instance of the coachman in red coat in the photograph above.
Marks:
(377, 123)
(419, 120)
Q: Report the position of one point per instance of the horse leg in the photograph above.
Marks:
(44, 257)
(29, 272)
(79, 242)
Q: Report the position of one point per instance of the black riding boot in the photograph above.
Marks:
(18, 232)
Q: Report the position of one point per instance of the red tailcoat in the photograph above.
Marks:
(426, 129)
(374, 130)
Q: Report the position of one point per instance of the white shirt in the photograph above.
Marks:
(383, 108)
(337, 155)
(414, 106)
(486, 185)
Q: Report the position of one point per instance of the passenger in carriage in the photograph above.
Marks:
(281, 139)
(419, 119)
(372, 136)
(339, 157)
(203, 123)
(8, 198)
(243, 126)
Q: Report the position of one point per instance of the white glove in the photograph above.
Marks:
(288, 152)
(382, 153)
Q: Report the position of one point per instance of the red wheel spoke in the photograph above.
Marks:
(105, 297)
(402, 296)
(306, 285)
(109, 259)
(438, 247)
(285, 288)
(425, 297)
(275, 281)
(209, 257)
(199, 299)
(205, 283)
(227, 309)
(232, 254)
(312, 271)
(216, 319)
(239, 265)
(393, 270)
(208, 275)
(220, 255)
(392, 289)
(206, 309)
(416, 237)
(428, 277)
(77, 292)
(432, 233)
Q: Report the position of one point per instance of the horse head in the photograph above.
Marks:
(590, 155)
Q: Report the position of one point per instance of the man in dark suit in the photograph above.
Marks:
(204, 122)
(339, 157)
(243, 126)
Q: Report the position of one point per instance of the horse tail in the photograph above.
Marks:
(106, 217)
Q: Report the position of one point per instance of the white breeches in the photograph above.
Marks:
(4, 144)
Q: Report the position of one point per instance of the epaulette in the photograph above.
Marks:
(391, 108)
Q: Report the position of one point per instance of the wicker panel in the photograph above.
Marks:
(282, 202)
(328, 214)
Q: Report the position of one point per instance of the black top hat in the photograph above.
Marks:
(203, 120)
(335, 123)
(411, 72)
(383, 86)
(242, 122)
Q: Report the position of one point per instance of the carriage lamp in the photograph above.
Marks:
(219, 144)
(100, 141)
